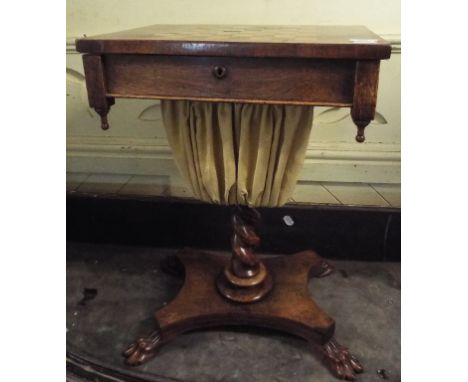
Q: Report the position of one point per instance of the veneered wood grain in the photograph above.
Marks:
(289, 306)
(347, 42)
(262, 80)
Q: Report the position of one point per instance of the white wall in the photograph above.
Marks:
(133, 157)
(100, 16)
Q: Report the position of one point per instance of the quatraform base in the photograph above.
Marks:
(287, 307)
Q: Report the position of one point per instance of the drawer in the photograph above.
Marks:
(242, 79)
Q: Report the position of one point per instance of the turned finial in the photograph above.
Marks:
(361, 125)
(103, 114)
(104, 123)
(360, 137)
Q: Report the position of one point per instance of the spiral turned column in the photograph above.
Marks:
(246, 278)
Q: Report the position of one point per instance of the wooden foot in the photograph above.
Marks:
(143, 349)
(288, 307)
(342, 364)
(327, 269)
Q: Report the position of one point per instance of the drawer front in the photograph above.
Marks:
(263, 80)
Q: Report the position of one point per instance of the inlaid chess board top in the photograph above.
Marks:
(341, 42)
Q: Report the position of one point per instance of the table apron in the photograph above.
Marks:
(231, 79)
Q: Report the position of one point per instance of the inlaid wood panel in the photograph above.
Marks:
(300, 81)
(314, 41)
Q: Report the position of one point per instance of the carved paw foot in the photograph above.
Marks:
(143, 349)
(326, 269)
(172, 266)
(343, 364)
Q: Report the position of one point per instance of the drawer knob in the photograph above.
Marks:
(219, 72)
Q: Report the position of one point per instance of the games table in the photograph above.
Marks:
(288, 65)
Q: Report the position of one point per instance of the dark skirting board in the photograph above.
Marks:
(336, 232)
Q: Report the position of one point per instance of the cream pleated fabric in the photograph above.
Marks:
(233, 153)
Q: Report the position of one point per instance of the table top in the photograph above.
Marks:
(308, 41)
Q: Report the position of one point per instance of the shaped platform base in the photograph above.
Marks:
(288, 307)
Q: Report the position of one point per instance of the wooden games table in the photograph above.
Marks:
(295, 65)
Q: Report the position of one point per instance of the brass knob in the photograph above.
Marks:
(219, 72)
